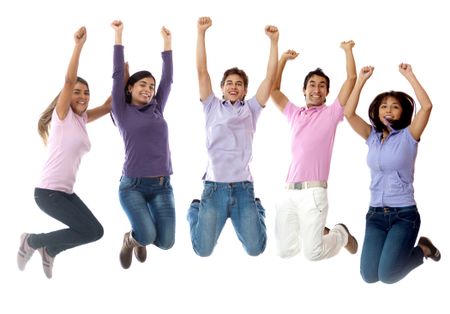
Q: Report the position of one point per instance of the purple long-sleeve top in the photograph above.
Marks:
(143, 128)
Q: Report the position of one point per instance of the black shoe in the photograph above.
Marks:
(195, 201)
(435, 255)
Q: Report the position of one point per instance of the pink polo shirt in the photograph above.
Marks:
(312, 139)
(68, 142)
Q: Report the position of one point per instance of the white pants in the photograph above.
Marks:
(301, 217)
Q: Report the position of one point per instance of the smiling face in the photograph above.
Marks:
(80, 98)
(316, 91)
(390, 110)
(142, 91)
(234, 88)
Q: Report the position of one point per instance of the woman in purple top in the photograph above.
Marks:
(67, 141)
(230, 125)
(393, 221)
(145, 191)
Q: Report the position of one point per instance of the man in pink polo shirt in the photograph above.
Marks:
(302, 209)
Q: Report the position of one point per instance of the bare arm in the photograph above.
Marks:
(349, 83)
(278, 97)
(264, 90)
(356, 122)
(64, 99)
(167, 36)
(117, 25)
(420, 121)
(100, 111)
(204, 80)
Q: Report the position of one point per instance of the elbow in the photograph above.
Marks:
(348, 114)
(352, 78)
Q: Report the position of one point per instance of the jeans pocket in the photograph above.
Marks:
(410, 216)
(208, 190)
(127, 183)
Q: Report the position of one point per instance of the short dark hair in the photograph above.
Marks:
(237, 71)
(317, 72)
(133, 79)
(406, 102)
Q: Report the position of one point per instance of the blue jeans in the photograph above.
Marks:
(71, 211)
(219, 202)
(150, 207)
(388, 252)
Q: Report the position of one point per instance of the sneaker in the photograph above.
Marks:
(435, 255)
(352, 244)
(47, 262)
(25, 251)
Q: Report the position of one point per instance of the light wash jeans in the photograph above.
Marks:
(69, 209)
(300, 219)
(388, 252)
(150, 207)
(219, 202)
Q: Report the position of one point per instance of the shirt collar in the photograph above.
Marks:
(241, 102)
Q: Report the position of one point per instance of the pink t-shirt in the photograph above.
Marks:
(68, 142)
(312, 139)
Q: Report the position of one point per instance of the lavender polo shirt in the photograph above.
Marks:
(229, 138)
(313, 130)
(68, 141)
(143, 128)
(391, 166)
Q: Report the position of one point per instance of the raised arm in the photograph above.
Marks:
(349, 83)
(204, 80)
(64, 99)
(356, 122)
(100, 111)
(420, 121)
(278, 97)
(117, 25)
(165, 84)
(167, 37)
(264, 89)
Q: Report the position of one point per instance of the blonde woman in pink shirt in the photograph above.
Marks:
(62, 127)
(302, 209)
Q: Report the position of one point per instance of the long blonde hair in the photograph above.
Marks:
(45, 118)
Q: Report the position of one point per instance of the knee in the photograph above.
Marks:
(167, 245)
(388, 278)
(203, 252)
(287, 253)
(314, 255)
(369, 277)
(95, 233)
(257, 249)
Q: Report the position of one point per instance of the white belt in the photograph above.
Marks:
(306, 185)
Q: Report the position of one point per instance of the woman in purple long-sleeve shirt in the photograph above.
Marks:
(145, 191)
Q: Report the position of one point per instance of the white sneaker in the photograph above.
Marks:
(47, 262)
(25, 251)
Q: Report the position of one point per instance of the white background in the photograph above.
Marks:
(37, 40)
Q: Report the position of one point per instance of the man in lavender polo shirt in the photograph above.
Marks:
(230, 125)
(302, 210)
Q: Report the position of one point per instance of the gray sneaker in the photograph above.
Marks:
(25, 251)
(47, 262)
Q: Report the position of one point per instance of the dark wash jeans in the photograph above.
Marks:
(69, 209)
(389, 252)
